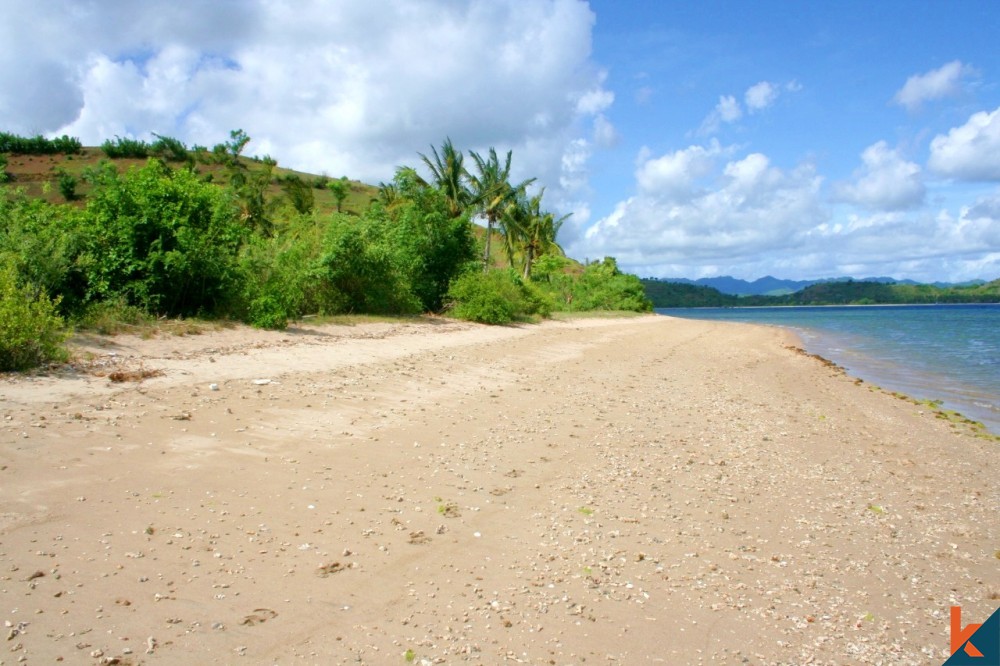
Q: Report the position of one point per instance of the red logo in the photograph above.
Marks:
(960, 635)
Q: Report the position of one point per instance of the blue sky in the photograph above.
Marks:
(800, 140)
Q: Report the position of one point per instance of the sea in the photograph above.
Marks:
(949, 353)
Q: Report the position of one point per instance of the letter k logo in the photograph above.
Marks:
(960, 635)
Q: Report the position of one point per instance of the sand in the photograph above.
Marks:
(636, 491)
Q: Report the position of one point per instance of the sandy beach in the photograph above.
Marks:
(594, 491)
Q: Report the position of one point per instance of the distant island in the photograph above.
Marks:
(671, 293)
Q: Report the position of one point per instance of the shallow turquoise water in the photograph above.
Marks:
(936, 352)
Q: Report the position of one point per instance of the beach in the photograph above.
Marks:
(614, 491)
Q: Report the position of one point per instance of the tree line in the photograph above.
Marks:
(166, 238)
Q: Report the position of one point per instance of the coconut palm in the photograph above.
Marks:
(492, 191)
(537, 233)
(449, 175)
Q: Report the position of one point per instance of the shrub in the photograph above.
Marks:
(359, 263)
(31, 332)
(169, 148)
(267, 312)
(160, 239)
(41, 241)
(113, 316)
(495, 297)
(67, 185)
(38, 145)
(124, 147)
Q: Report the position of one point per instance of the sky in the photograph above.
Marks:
(686, 139)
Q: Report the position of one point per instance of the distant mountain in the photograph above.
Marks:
(772, 286)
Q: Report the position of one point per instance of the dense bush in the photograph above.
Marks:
(161, 239)
(42, 243)
(596, 286)
(360, 266)
(124, 147)
(495, 297)
(169, 149)
(430, 246)
(31, 331)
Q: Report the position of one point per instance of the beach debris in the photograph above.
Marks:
(325, 570)
(134, 375)
(213, 387)
(418, 537)
(261, 382)
(259, 616)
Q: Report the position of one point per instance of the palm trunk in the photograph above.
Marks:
(489, 237)
(527, 261)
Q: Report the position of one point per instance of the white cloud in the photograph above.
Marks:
(969, 152)
(704, 211)
(355, 90)
(885, 182)
(674, 176)
(692, 212)
(935, 84)
(728, 110)
(760, 96)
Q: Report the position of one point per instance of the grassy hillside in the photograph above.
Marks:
(130, 231)
(39, 176)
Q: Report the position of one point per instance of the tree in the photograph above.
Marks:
(492, 192)
(299, 194)
(450, 177)
(339, 188)
(538, 233)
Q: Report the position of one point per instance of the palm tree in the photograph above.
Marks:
(538, 232)
(492, 192)
(450, 177)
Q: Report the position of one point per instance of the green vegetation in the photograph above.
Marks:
(677, 295)
(38, 145)
(31, 332)
(145, 231)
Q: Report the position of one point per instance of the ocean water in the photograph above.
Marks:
(933, 352)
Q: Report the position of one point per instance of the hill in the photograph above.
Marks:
(772, 286)
(668, 294)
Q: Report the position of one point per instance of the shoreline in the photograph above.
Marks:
(883, 368)
(656, 490)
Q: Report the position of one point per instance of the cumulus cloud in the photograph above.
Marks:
(885, 181)
(969, 152)
(674, 176)
(699, 207)
(354, 90)
(760, 96)
(935, 84)
(706, 210)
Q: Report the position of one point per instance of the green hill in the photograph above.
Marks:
(679, 295)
